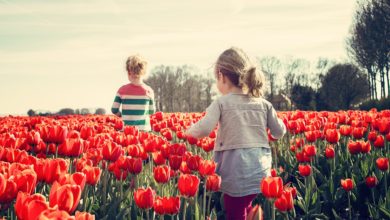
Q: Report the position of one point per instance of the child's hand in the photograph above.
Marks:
(119, 114)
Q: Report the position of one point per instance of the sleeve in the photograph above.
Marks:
(207, 124)
(275, 124)
(116, 104)
(152, 104)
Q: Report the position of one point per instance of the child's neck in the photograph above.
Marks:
(234, 89)
(136, 82)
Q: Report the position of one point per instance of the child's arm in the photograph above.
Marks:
(275, 124)
(204, 126)
(152, 104)
(116, 105)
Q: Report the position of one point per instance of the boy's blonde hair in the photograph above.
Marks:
(136, 64)
(235, 64)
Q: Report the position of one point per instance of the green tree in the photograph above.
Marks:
(343, 86)
(369, 42)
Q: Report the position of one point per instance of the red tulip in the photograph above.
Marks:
(285, 201)
(207, 167)
(71, 147)
(310, 136)
(302, 157)
(158, 116)
(162, 173)
(93, 174)
(382, 163)
(29, 207)
(379, 142)
(358, 132)
(347, 184)
(191, 140)
(144, 198)
(188, 185)
(354, 147)
(213, 183)
(10, 192)
(66, 196)
(112, 151)
(175, 161)
(84, 216)
(274, 173)
(304, 170)
(55, 214)
(366, 146)
(310, 150)
(371, 181)
(77, 178)
(332, 136)
(158, 158)
(193, 162)
(372, 136)
(329, 152)
(167, 205)
(272, 187)
(345, 130)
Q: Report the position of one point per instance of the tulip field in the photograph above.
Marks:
(329, 165)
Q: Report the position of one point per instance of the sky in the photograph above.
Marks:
(71, 53)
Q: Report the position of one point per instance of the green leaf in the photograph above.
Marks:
(385, 212)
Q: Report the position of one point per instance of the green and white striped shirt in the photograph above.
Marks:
(137, 103)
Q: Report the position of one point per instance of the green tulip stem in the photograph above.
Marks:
(204, 199)
(209, 204)
(184, 209)
(385, 176)
(273, 209)
(349, 205)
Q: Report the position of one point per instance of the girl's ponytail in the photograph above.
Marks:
(254, 82)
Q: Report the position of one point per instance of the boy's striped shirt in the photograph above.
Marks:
(137, 105)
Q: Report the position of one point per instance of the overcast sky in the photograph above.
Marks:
(58, 53)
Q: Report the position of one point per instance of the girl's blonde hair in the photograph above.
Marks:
(235, 64)
(136, 64)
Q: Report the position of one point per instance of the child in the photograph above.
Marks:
(241, 150)
(137, 98)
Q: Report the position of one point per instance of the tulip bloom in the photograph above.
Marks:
(144, 198)
(112, 151)
(93, 174)
(162, 173)
(55, 213)
(310, 136)
(354, 147)
(379, 142)
(345, 130)
(347, 184)
(167, 205)
(382, 163)
(29, 207)
(272, 187)
(285, 202)
(66, 196)
(207, 167)
(358, 132)
(332, 136)
(329, 152)
(304, 170)
(175, 161)
(188, 185)
(71, 147)
(371, 181)
(193, 162)
(213, 183)
(310, 150)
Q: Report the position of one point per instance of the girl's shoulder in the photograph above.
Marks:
(243, 100)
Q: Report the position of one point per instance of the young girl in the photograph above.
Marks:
(241, 150)
(136, 98)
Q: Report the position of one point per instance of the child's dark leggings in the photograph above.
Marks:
(237, 208)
